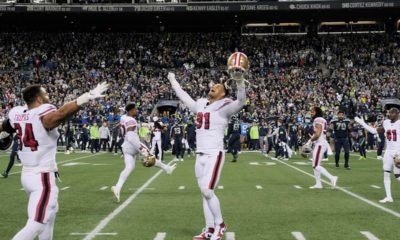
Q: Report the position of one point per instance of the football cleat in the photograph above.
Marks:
(205, 234)
(316, 186)
(116, 194)
(4, 174)
(219, 232)
(334, 181)
(386, 200)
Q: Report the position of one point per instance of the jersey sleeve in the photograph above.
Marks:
(185, 98)
(235, 106)
(13, 112)
(45, 109)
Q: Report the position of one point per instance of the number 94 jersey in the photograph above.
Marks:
(211, 121)
(37, 146)
(392, 131)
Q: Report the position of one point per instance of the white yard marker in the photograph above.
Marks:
(181, 187)
(374, 186)
(103, 188)
(259, 187)
(98, 234)
(65, 188)
(70, 160)
(369, 235)
(103, 223)
(160, 236)
(230, 236)
(298, 236)
(297, 186)
(369, 202)
(220, 187)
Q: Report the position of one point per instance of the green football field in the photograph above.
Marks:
(261, 199)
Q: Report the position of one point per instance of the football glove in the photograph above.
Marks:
(97, 92)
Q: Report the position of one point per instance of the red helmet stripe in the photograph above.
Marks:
(237, 59)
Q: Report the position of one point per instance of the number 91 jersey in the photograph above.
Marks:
(392, 131)
(210, 124)
(37, 146)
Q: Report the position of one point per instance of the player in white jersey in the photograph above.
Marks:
(36, 128)
(213, 115)
(156, 140)
(320, 147)
(391, 129)
(131, 147)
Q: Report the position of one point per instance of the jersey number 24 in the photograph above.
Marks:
(28, 139)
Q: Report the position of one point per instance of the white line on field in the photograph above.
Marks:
(394, 213)
(369, 235)
(70, 160)
(220, 187)
(230, 236)
(134, 189)
(374, 186)
(181, 187)
(22, 189)
(298, 236)
(65, 188)
(297, 186)
(103, 223)
(103, 188)
(160, 236)
(99, 234)
(259, 187)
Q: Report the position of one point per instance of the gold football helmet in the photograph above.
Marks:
(396, 159)
(149, 161)
(238, 65)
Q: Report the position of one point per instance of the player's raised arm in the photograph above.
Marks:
(55, 118)
(369, 128)
(240, 101)
(182, 95)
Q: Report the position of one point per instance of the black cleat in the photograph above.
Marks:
(4, 174)
(347, 168)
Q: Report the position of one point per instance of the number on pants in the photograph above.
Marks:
(391, 135)
(200, 121)
(29, 138)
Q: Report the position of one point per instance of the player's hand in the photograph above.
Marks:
(359, 120)
(172, 79)
(97, 92)
(144, 151)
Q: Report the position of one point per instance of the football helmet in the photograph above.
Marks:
(396, 159)
(149, 161)
(6, 141)
(306, 151)
(238, 66)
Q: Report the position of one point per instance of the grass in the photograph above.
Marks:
(273, 212)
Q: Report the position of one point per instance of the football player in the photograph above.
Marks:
(157, 128)
(36, 127)
(234, 131)
(320, 147)
(177, 136)
(391, 128)
(131, 147)
(341, 128)
(213, 115)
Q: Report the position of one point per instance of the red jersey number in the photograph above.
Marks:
(28, 139)
(203, 118)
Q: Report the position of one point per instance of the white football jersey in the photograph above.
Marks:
(37, 145)
(324, 124)
(210, 124)
(392, 131)
(127, 122)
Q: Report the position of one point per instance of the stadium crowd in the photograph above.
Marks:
(288, 74)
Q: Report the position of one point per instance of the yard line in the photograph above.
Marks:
(65, 188)
(220, 187)
(230, 236)
(259, 187)
(298, 236)
(369, 235)
(160, 236)
(70, 160)
(181, 187)
(99, 234)
(394, 213)
(374, 186)
(103, 188)
(297, 186)
(103, 223)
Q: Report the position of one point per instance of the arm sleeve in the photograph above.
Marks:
(236, 105)
(368, 128)
(184, 97)
(135, 141)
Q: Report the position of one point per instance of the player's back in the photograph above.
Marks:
(210, 125)
(37, 145)
(392, 131)
(321, 121)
